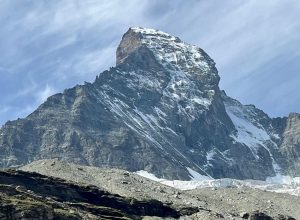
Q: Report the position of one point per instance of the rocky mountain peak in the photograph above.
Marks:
(168, 51)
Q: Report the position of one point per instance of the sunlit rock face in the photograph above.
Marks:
(290, 145)
(160, 110)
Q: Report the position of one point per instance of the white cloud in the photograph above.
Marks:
(43, 94)
(4, 109)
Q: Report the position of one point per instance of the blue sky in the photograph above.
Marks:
(47, 46)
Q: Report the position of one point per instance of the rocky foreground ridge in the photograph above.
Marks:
(160, 110)
(69, 191)
(33, 196)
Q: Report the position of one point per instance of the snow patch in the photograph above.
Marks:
(283, 184)
(196, 176)
(202, 101)
(280, 179)
(249, 133)
(148, 175)
(210, 156)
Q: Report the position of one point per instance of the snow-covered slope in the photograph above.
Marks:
(175, 54)
(253, 129)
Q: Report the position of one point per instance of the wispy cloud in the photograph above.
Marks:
(51, 45)
(3, 113)
(42, 95)
(4, 109)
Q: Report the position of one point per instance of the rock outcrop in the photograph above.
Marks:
(33, 196)
(290, 145)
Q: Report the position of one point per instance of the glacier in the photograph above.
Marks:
(278, 184)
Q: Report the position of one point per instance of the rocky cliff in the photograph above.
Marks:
(161, 110)
(290, 143)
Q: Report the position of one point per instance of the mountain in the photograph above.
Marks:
(160, 110)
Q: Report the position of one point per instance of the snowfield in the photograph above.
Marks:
(279, 184)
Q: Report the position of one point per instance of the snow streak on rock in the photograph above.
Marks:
(250, 132)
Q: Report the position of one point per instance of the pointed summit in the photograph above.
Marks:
(168, 51)
(136, 37)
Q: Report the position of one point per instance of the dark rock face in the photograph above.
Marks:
(262, 216)
(161, 110)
